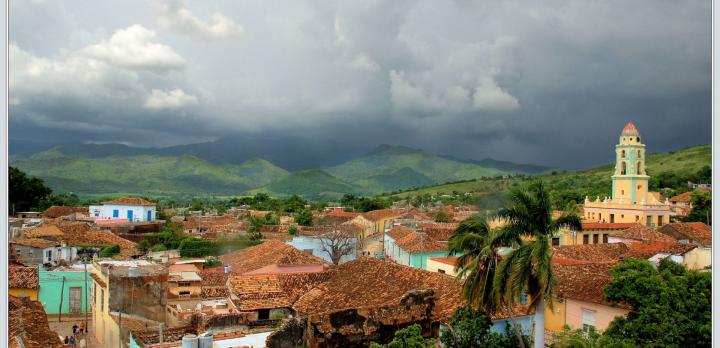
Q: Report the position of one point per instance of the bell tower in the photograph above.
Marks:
(630, 181)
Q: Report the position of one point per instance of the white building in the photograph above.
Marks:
(130, 209)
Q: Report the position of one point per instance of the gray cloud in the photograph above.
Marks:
(549, 83)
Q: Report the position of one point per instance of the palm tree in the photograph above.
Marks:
(528, 268)
(477, 246)
(494, 284)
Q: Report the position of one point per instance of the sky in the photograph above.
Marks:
(549, 82)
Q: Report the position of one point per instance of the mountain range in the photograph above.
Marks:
(229, 167)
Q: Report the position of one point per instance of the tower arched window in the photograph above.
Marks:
(622, 154)
(623, 168)
(639, 155)
(639, 168)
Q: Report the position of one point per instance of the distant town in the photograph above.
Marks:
(614, 256)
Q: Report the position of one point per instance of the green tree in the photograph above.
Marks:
(109, 251)
(24, 192)
(592, 339)
(304, 217)
(408, 337)
(293, 230)
(702, 208)
(442, 216)
(191, 247)
(527, 269)
(469, 328)
(671, 307)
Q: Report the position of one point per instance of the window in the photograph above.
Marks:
(116, 213)
(441, 271)
(639, 154)
(102, 300)
(264, 314)
(623, 168)
(639, 168)
(660, 220)
(596, 238)
(556, 241)
(622, 192)
(588, 319)
(639, 187)
(638, 139)
(612, 218)
(184, 293)
(586, 239)
(649, 221)
(622, 154)
(605, 238)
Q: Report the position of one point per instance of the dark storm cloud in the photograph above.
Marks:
(550, 83)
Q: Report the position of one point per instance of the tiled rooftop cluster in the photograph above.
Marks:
(267, 253)
(28, 325)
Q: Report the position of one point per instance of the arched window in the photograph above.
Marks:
(639, 155)
(623, 168)
(638, 139)
(639, 168)
(622, 154)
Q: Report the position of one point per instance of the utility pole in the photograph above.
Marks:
(86, 295)
(62, 289)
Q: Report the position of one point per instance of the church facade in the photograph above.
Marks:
(631, 200)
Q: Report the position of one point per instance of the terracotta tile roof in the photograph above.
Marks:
(98, 280)
(642, 233)
(57, 211)
(183, 268)
(133, 322)
(445, 260)
(418, 242)
(399, 232)
(382, 214)
(648, 250)
(287, 269)
(439, 231)
(272, 290)
(207, 292)
(685, 197)
(79, 234)
(593, 226)
(268, 253)
(35, 243)
(694, 231)
(592, 252)
(28, 323)
(583, 282)
(130, 201)
(44, 230)
(368, 282)
(212, 278)
(343, 214)
(23, 277)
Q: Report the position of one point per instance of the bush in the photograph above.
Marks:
(197, 248)
(158, 247)
(210, 263)
(293, 231)
(110, 251)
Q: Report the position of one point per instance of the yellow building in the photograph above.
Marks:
(23, 282)
(631, 202)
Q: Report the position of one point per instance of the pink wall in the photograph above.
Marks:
(604, 314)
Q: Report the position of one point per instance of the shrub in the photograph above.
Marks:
(197, 248)
(110, 251)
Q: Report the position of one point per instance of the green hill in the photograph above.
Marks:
(385, 160)
(311, 183)
(401, 178)
(666, 170)
(148, 175)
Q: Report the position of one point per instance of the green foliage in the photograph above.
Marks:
(408, 337)
(363, 204)
(293, 231)
(109, 251)
(158, 247)
(469, 328)
(211, 262)
(442, 216)
(702, 208)
(579, 339)
(25, 193)
(190, 247)
(294, 204)
(671, 307)
(170, 236)
(304, 217)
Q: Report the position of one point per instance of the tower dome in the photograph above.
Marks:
(630, 130)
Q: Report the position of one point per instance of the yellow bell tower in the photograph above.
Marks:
(630, 182)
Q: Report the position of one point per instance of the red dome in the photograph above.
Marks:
(630, 129)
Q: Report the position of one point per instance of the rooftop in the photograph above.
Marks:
(129, 201)
(630, 129)
(57, 211)
(23, 277)
(35, 243)
(642, 233)
(184, 276)
(682, 198)
(44, 230)
(695, 231)
(594, 226)
(370, 282)
(445, 260)
(28, 325)
(382, 214)
(609, 252)
(418, 242)
(268, 253)
(399, 232)
(583, 282)
(272, 290)
(286, 269)
(648, 250)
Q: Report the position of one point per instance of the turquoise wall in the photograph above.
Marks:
(51, 289)
(419, 260)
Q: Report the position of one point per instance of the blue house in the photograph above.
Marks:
(406, 246)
